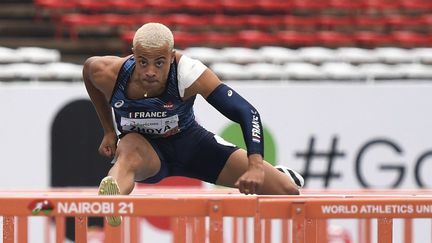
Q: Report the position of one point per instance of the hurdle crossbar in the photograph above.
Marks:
(306, 214)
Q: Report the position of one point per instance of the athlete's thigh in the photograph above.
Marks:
(135, 152)
(275, 182)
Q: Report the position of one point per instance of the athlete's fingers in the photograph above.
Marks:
(107, 151)
(246, 187)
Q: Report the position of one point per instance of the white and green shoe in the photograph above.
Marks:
(108, 187)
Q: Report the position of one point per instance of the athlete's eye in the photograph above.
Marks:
(160, 64)
(143, 62)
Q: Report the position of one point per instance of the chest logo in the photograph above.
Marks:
(169, 105)
(119, 104)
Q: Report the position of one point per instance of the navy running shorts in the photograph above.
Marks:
(194, 152)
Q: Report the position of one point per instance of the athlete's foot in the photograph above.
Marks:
(107, 187)
(292, 174)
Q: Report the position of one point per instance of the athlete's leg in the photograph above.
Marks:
(275, 182)
(135, 160)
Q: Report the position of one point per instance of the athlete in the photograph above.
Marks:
(144, 102)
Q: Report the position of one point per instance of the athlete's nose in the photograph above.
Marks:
(150, 72)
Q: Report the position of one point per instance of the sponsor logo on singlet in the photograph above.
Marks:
(119, 104)
(169, 105)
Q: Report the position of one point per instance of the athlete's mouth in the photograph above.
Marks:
(150, 81)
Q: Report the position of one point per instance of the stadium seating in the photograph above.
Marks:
(263, 39)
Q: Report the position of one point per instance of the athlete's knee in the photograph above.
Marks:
(127, 189)
(130, 160)
(285, 188)
(140, 166)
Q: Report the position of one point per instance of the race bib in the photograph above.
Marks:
(156, 126)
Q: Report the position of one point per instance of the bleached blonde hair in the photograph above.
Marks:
(153, 35)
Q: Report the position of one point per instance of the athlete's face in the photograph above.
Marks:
(153, 64)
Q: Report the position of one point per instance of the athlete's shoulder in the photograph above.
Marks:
(104, 63)
(103, 68)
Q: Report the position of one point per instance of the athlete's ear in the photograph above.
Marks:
(172, 56)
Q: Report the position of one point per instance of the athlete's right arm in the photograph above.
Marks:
(99, 76)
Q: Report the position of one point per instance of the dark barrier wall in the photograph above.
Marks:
(75, 162)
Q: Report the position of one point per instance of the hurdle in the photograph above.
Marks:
(198, 215)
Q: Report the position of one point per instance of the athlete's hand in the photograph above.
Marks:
(251, 181)
(108, 145)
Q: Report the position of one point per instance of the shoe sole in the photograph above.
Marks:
(109, 187)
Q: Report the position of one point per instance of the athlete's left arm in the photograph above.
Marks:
(235, 107)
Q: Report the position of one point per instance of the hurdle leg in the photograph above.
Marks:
(267, 231)
(298, 228)
(134, 230)
(216, 222)
(22, 234)
(322, 230)
(8, 229)
(178, 228)
(235, 222)
(257, 228)
(407, 230)
(311, 229)
(60, 229)
(385, 230)
(81, 223)
(245, 230)
(364, 230)
(113, 233)
(199, 230)
(285, 230)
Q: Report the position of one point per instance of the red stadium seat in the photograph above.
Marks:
(238, 5)
(56, 4)
(370, 39)
(118, 20)
(188, 22)
(188, 39)
(332, 22)
(426, 22)
(296, 39)
(409, 39)
(128, 5)
(379, 7)
(221, 39)
(334, 39)
(299, 23)
(308, 6)
(163, 5)
(253, 38)
(55, 7)
(274, 6)
(403, 22)
(75, 21)
(263, 22)
(364, 22)
(415, 6)
(147, 18)
(227, 22)
(342, 7)
(200, 6)
(94, 6)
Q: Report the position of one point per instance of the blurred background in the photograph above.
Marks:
(343, 87)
